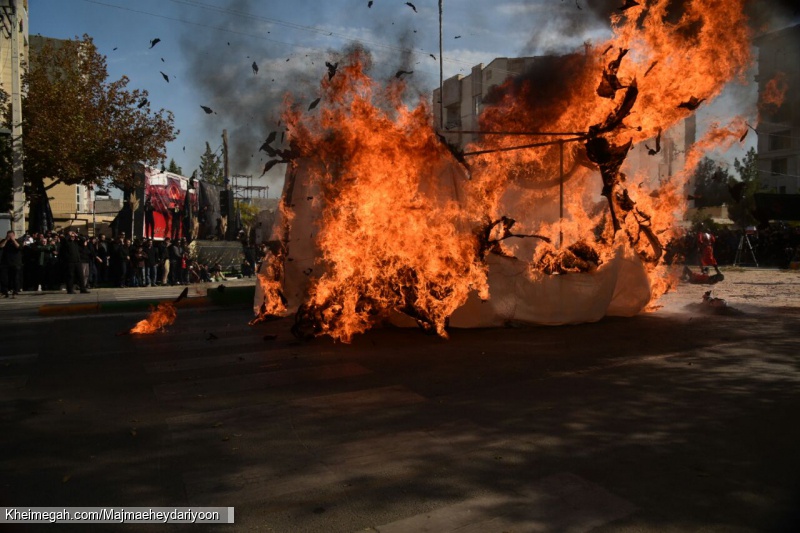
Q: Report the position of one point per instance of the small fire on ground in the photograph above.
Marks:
(160, 317)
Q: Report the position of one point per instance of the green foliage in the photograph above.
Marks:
(741, 211)
(248, 212)
(711, 184)
(82, 129)
(174, 168)
(211, 168)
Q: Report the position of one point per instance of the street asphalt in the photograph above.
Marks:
(674, 421)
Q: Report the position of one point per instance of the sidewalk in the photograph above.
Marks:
(120, 300)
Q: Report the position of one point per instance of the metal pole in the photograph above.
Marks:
(560, 193)
(441, 71)
(18, 177)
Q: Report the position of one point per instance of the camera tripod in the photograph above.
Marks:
(744, 241)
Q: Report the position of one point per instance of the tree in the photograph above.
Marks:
(711, 184)
(744, 189)
(248, 213)
(210, 168)
(82, 129)
(174, 168)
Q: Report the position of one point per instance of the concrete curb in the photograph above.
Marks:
(227, 296)
(116, 307)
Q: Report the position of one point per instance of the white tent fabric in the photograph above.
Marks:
(619, 287)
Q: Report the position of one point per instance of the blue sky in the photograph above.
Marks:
(207, 48)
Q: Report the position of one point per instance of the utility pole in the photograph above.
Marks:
(441, 71)
(227, 176)
(18, 178)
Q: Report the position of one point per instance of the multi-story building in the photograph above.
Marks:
(779, 111)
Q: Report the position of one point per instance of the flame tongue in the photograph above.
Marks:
(159, 318)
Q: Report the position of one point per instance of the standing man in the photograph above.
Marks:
(175, 211)
(149, 219)
(70, 255)
(10, 265)
(175, 259)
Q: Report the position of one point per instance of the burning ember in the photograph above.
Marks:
(383, 221)
(159, 318)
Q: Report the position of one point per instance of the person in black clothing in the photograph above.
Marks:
(150, 263)
(175, 211)
(175, 260)
(103, 254)
(10, 265)
(87, 258)
(249, 264)
(149, 219)
(120, 255)
(70, 255)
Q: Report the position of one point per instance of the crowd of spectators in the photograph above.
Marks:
(67, 260)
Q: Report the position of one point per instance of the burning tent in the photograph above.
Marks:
(381, 221)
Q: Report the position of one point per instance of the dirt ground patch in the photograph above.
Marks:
(751, 290)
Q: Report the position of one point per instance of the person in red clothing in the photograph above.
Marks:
(705, 242)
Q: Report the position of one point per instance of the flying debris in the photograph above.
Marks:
(609, 83)
(162, 60)
(142, 103)
(211, 337)
(115, 48)
(746, 131)
(287, 59)
(412, 6)
(629, 4)
(266, 146)
(184, 148)
(207, 109)
(271, 163)
(331, 69)
(433, 56)
(692, 104)
(255, 68)
(457, 37)
(314, 104)
(578, 5)
(400, 73)
(369, 4)
(658, 144)
(182, 295)
(653, 64)
(164, 76)
(154, 42)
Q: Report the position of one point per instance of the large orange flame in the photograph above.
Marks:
(400, 225)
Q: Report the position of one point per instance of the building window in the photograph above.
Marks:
(452, 118)
(779, 166)
(780, 140)
(477, 101)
